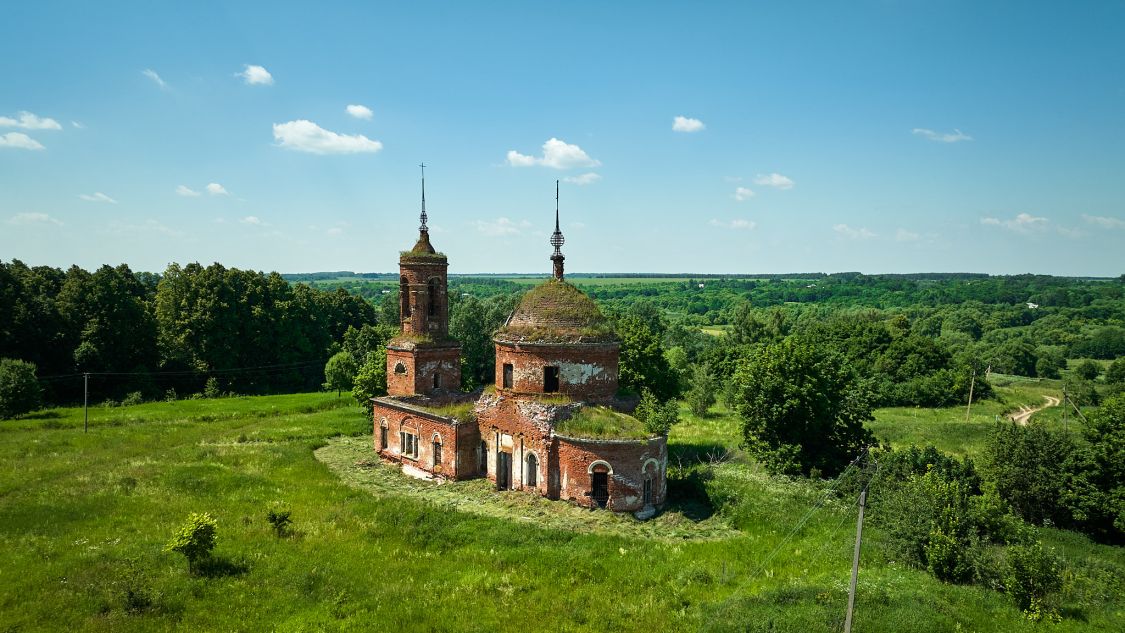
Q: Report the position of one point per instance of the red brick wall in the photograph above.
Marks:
(421, 364)
(629, 461)
(417, 276)
(586, 371)
(503, 426)
(425, 427)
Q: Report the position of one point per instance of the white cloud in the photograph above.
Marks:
(902, 235)
(216, 189)
(686, 124)
(584, 179)
(33, 218)
(942, 137)
(29, 121)
(774, 180)
(151, 74)
(862, 233)
(556, 154)
(19, 140)
(256, 76)
(186, 191)
(1022, 223)
(501, 227)
(360, 112)
(742, 194)
(305, 136)
(735, 224)
(252, 219)
(77, 125)
(97, 196)
(1104, 221)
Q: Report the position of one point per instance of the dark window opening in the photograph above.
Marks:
(404, 298)
(532, 476)
(437, 453)
(400, 368)
(383, 438)
(437, 381)
(601, 488)
(483, 458)
(507, 375)
(432, 298)
(647, 495)
(408, 443)
(503, 471)
(550, 379)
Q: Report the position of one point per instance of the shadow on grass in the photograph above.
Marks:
(690, 467)
(221, 567)
(46, 414)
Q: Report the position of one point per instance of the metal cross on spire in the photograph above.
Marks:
(423, 226)
(557, 239)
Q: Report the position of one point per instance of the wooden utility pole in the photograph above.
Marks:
(855, 560)
(972, 383)
(1066, 412)
(86, 403)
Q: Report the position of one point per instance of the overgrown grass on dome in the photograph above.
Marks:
(422, 255)
(460, 411)
(602, 423)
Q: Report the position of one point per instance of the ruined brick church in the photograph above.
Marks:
(542, 427)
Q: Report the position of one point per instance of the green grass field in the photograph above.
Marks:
(84, 517)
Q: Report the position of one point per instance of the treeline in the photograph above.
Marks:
(141, 332)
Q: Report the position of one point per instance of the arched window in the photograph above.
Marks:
(531, 477)
(400, 368)
(404, 297)
(383, 435)
(437, 449)
(432, 297)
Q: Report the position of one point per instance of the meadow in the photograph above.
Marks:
(84, 517)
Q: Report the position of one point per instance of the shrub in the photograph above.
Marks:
(1115, 375)
(195, 539)
(701, 396)
(1032, 577)
(658, 417)
(1088, 370)
(1025, 464)
(132, 399)
(211, 388)
(279, 520)
(19, 388)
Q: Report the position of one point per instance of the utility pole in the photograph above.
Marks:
(86, 403)
(972, 383)
(1066, 412)
(855, 560)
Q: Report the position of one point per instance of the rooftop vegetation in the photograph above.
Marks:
(460, 411)
(602, 423)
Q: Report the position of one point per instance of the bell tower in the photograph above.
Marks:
(422, 359)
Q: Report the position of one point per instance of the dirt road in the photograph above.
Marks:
(1024, 414)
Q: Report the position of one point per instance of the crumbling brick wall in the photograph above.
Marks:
(629, 463)
(411, 369)
(586, 371)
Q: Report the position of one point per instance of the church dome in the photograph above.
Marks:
(556, 312)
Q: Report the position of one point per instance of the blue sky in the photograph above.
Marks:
(690, 137)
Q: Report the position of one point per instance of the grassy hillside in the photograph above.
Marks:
(83, 518)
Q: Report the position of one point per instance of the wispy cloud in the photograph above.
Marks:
(1022, 223)
(97, 196)
(255, 75)
(861, 233)
(186, 191)
(19, 140)
(77, 125)
(687, 124)
(742, 194)
(583, 179)
(144, 228)
(253, 220)
(556, 154)
(775, 180)
(501, 226)
(902, 235)
(305, 136)
(23, 219)
(737, 224)
(955, 136)
(151, 74)
(29, 121)
(1104, 222)
(360, 112)
(216, 189)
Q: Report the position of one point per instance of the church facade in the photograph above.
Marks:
(542, 428)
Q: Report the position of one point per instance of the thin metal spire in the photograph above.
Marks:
(423, 226)
(557, 237)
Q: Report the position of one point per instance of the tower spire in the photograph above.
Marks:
(557, 240)
(423, 228)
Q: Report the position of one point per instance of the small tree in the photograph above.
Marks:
(701, 396)
(211, 388)
(19, 388)
(279, 520)
(1088, 370)
(658, 417)
(339, 373)
(371, 379)
(1115, 375)
(195, 539)
(1032, 576)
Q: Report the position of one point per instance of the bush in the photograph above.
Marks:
(1025, 464)
(194, 540)
(1115, 375)
(19, 388)
(701, 396)
(658, 417)
(279, 520)
(132, 399)
(211, 388)
(1088, 370)
(1032, 577)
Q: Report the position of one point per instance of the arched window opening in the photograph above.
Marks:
(432, 296)
(383, 440)
(599, 482)
(647, 493)
(404, 298)
(531, 478)
(437, 451)
(400, 368)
